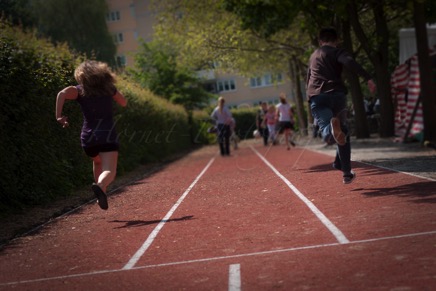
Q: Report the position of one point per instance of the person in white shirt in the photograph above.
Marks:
(285, 118)
(223, 118)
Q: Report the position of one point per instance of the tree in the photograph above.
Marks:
(370, 23)
(376, 48)
(156, 68)
(386, 13)
(268, 18)
(17, 12)
(204, 33)
(80, 23)
(427, 81)
(361, 126)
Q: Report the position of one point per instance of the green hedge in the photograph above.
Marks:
(33, 167)
(200, 124)
(245, 121)
(150, 128)
(40, 160)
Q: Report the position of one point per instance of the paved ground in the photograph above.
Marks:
(383, 152)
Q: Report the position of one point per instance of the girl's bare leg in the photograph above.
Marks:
(96, 167)
(108, 169)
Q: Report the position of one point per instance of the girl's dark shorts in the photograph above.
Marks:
(93, 151)
(282, 125)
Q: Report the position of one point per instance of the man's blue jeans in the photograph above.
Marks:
(324, 107)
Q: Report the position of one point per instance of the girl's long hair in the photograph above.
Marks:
(221, 102)
(282, 97)
(95, 78)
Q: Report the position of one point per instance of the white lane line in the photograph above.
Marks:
(330, 226)
(235, 277)
(276, 251)
(272, 252)
(135, 258)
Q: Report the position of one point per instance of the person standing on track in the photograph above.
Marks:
(223, 118)
(285, 118)
(326, 94)
(271, 121)
(260, 124)
(234, 138)
(95, 94)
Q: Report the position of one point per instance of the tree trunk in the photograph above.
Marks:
(361, 123)
(381, 56)
(379, 59)
(299, 100)
(428, 96)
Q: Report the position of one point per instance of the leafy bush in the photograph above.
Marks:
(33, 167)
(150, 128)
(245, 121)
(200, 124)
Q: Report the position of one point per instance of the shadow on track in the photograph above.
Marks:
(137, 223)
(421, 192)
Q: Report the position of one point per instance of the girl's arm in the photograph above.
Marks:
(213, 115)
(120, 99)
(229, 116)
(69, 93)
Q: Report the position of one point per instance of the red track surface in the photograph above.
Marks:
(283, 221)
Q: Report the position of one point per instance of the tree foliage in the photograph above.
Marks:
(264, 17)
(156, 69)
(256, 35)
(17, 12)
(205, 33)
(80, 23)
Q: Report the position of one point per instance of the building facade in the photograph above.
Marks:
(132, 20)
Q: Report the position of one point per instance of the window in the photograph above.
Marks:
(118, 37)
(113, 16)
(266, 80)
(121, 61)
(226, 85)
(255, 82)
(132, 10)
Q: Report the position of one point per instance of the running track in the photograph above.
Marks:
(263, 219)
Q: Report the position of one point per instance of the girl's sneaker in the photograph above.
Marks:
(101, 196)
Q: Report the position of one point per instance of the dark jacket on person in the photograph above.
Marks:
(324, 74)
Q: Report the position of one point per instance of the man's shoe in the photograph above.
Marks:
(349, 177)
(101, 196)
(337, 133)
